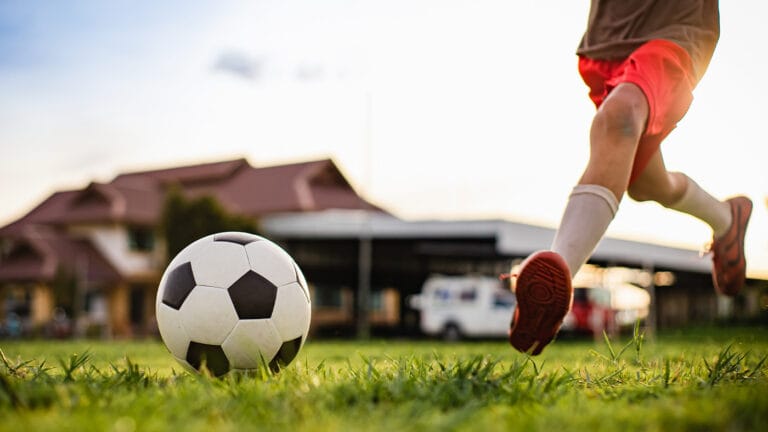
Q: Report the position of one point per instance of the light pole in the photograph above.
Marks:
(365, 238)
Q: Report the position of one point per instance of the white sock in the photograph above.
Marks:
(700, 204)
(589, 211)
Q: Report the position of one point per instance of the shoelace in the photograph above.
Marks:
(508, 277)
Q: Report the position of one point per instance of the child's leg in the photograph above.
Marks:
(728, 219)
(640, 101)
(543, 287)
(614, 136)
(677, 191)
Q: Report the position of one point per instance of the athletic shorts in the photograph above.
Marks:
(664, 72)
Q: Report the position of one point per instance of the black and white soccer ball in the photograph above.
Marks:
(233, 300)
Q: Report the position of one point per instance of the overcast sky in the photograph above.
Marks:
(433, 109)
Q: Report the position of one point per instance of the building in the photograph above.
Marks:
(403, 254)
(98, 249)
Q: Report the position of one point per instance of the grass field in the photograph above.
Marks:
(701, 379)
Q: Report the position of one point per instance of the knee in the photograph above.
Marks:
(623, 115)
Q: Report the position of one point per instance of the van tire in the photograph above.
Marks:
(451, 333)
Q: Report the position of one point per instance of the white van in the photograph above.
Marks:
(464, 306)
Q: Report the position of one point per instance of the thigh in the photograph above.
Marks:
(664, 73)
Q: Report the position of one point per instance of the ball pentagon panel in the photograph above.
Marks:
(285, 355)
(253, 296)
(177, 285)
(212, 356)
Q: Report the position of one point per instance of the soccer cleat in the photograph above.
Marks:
(729, 267)
(544, 295)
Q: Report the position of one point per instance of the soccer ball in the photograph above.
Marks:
(233, 300)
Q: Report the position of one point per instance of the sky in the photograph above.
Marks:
(434, 109)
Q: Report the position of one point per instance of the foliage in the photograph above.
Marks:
(64, 286)
(185, 220)
(675, 383)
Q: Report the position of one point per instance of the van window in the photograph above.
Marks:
(442, 295)
(468, 294)
(503, 299)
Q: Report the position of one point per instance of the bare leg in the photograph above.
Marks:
(728, 219)
(614, 137)
(655, 183)
(676, 191)
(543, 288)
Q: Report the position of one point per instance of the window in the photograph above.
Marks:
(442, 295)
(327, 296)
(376, 302)
(503, 299)
(141, 239)
(95, 306)
(468, 294)
(136, 304)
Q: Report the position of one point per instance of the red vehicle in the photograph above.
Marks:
(591, 312)
(598, 309)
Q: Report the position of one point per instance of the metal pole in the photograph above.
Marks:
(365, 244)
(81, 290)
(365, 249)
(651, 321)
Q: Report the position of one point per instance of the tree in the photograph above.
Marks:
(186, 220)
(64, 287)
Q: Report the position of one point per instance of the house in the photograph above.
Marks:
(98, 250)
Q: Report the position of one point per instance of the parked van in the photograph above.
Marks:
(455, 307)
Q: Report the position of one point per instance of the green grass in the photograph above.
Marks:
(703, 379)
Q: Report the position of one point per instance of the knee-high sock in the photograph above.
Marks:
(699, 203)
(589, 211)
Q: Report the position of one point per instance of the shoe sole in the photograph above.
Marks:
(544, 296)
(741, 213)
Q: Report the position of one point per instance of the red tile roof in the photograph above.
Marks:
(137, 199)
(308, 186)
(205, 172)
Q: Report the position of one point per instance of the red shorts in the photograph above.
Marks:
(664, 72)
